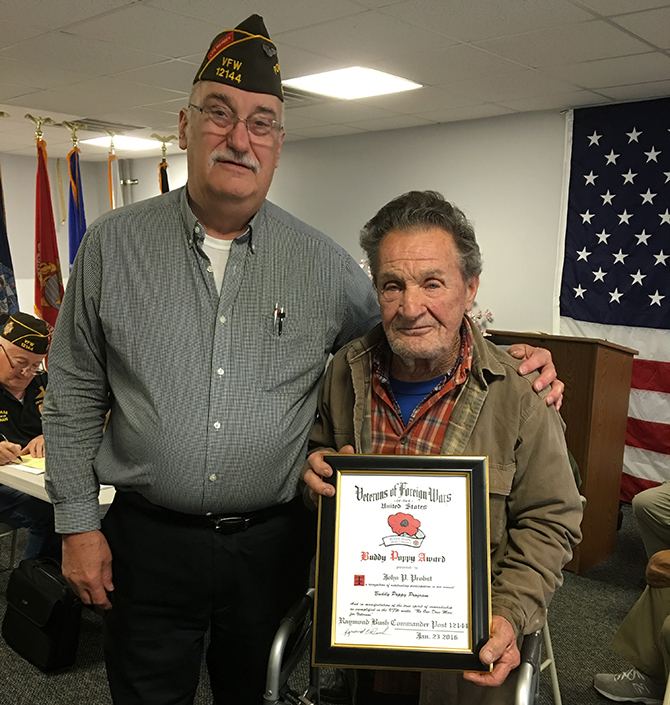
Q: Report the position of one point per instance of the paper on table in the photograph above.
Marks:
(30, 464)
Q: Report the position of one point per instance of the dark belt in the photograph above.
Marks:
(221, 523)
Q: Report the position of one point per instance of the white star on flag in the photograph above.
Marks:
(586, 217)
(651, 156)
(583, 255)
(611, 157)
(615, 296)
(656, 298)
(607, 197)
(628, 177)
(623, 217)
(594, 138)
(602, 237)
(665, 217)
(579, 291)
(599, 275)
(642, 237)
(590, 178)
(637, 278)
(667, 176)
(633, 135)
(619, 257)
(648, 197)
(660, 258)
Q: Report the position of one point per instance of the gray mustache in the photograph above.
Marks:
(232, 155)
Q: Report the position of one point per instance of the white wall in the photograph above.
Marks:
(504, 172)
(18, 181)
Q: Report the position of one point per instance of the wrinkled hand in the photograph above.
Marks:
(539, 359)
(87, 566)
(501, 651)
(658, 570)
(9, 452)
(318, 469)
(35, 447)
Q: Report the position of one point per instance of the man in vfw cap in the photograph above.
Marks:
(211, 396)
(24, 340)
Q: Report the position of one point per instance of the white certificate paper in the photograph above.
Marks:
(402, 562)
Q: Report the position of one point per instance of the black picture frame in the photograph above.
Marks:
(326, 649)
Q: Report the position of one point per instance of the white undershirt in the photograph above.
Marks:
(217, 250)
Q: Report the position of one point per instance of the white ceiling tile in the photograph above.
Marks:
(147, 29)
(472, 112)
(344, 111)
(297, 122)
(511, 86)
(392, 123)
(638, 91)
(566, 44)
(74, 53)
(176, 75)
(30, 75)
(361, 38)
(476, 20)
(57, 13)
(169, 106)
(423, 99)
(619, 71)
(328, 131)
(653, 26)
(617, 7)
(296, 62)
(454, 63)
(279, 15)
(560, 101)
(13, 32)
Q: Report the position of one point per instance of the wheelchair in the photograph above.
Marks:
(293, 641)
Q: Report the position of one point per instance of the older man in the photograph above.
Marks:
(24, 341)
(426, 382)
(202, 321)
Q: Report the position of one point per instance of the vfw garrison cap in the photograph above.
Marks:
(245, 58)
(27, 332)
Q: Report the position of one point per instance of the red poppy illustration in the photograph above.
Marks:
(404, 524)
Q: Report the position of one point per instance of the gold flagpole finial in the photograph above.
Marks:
(164, 142)
(74, 127)
(112, 135)
(38, 122)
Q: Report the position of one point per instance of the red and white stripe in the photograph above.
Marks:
(647, 454)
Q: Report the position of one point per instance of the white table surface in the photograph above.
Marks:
(13, 475)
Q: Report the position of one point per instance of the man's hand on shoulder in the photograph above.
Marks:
(87, 566)
(35, 447)
(539, 359)
(500, 650)
(9, 452)
(318, 469)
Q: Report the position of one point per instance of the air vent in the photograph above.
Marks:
(116, 128)
(295, 98)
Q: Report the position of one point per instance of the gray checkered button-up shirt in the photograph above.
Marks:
(211, 407)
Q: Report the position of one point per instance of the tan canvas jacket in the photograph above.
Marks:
(535, 509)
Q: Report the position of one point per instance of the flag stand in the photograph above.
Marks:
(163, 183)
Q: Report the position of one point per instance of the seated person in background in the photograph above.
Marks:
(425, 263)
(24, 341)
(643, 638)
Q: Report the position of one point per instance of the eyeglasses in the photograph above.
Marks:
(258, 125)
(34, 369)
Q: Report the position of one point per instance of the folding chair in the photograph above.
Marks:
(6, 530)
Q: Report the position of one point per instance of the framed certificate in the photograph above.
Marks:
(403, 570)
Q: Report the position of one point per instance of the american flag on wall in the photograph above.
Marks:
(616, 271)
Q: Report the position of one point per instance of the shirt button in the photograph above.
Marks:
(220, 371)
(210, 268)
(197, 229)
(222, 319)
(212, 478)
(404, 440)
(217, 424)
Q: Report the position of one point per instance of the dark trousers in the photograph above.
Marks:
(172, 583)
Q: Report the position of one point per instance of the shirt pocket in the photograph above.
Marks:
(501, 479)
(292, 362)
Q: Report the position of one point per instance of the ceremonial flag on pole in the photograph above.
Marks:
(77, 218)
(9, 301)
(163, 177)
(114, 181)
(616, 274)
(48, 279)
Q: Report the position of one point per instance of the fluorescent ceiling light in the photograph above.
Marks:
(123, 142)
(354, 82)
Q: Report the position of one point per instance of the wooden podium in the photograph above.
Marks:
(597, 377)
